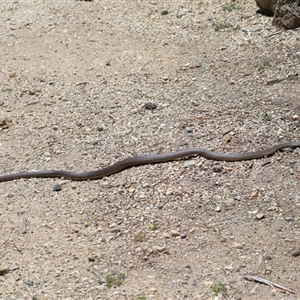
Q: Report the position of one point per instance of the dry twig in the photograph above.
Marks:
(267, 282)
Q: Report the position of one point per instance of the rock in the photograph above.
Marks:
(188, 129)
(175, 233)
(150, 106)
(198, 63)
(183, 235)
(238, 245)
(4, 271)
(287, 14)
(218, 208)
(3, 121)
(56, 187)
(189, 163)
(226, 130)
(28, 282)
(161, 249)
(266, 7)
(226, 138)
(254, 194)
(217, 168)
(259, 216)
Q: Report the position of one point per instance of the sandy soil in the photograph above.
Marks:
(75, 78)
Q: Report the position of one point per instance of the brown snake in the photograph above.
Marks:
(149, 159)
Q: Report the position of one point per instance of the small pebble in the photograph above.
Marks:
(259, 216)
(3, 121)
(4, 271)
(255, 29)
(56, 187)
(189, 163)
(226, 130)
(161, 249)
(218, 208)
(175, 233)
(238, 245)
(254, 194)
(150, 106)
(29, 282)
(296, 253)
(217, 168)
(183, 235)
(188, 129)
(226, 138)
(164, 12)
(289, 219)
(198, 64)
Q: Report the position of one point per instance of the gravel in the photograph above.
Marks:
(76, 77)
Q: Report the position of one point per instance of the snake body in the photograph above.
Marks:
(149, 159)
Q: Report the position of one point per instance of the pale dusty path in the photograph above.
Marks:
(75, 77)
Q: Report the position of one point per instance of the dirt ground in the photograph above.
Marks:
(75, 77)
